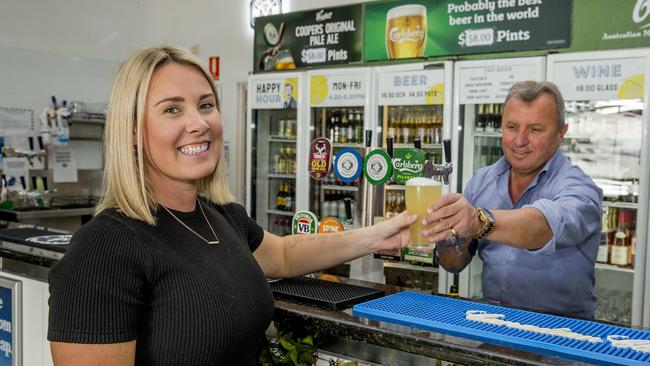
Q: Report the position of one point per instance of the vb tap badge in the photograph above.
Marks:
(304, 222)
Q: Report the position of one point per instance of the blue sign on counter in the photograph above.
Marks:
(10, 294)
(6, 341)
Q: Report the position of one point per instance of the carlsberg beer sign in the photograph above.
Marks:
(407, 163)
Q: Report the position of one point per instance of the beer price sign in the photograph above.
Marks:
(601, 79)
(490, 84)
(338, 90)
(274, 93)
(422, 28)
(412, 87)
(308, 38)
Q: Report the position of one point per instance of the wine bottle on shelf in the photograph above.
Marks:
(603, 246)
(619, 255)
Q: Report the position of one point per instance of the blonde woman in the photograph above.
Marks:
(170, 271)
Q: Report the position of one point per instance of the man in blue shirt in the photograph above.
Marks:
(534, 217)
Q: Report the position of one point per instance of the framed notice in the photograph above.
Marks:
(10, 322)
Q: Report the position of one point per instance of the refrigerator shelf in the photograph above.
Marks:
(282, 176)
(334, 187)
(409, 266)
(280, 212)
(340, 144)
(614, 268)
(395, 187)
(424, 146)
(282, 139)
(630, 205)
(487, 134)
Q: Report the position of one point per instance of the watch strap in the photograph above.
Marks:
(488, 223)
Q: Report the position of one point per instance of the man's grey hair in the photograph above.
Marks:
(529, 91)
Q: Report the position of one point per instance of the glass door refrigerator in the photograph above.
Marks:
(413, 102)
(338, 110)
(606, 95)
(480, 88)
(275, 116)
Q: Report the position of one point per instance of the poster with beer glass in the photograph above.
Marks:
(423, 28)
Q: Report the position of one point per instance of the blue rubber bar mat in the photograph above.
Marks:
(447, 315)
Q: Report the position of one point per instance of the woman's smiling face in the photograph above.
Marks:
(182, 126)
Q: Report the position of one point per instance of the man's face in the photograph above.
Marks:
(288, 89)
(531, 134)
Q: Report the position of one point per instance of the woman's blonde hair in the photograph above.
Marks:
(125, 184)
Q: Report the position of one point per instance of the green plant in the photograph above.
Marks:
(287, 350)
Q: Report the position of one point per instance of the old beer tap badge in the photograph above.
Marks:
(320, 158)
(304, 222)
(377, 167)
(407, 163)
(347, 165)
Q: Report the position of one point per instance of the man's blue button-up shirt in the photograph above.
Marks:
(558, 277)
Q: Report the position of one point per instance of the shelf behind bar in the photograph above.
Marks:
(339, 188)
(280, 212)
(631, 205)
(404, 265)
(282, 139)
(340, 144)
(282, 176)
(424, 146)
(611, 267)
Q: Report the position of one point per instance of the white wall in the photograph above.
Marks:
(72, 48)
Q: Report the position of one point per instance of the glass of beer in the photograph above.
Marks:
(421, 193)
(406, 31)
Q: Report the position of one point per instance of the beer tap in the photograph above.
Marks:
(441, 170)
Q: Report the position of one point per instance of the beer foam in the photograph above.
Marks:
(407, 10)
(422, 181)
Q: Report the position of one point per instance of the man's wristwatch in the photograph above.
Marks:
(488, 221)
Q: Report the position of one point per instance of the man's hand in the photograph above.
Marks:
(451, 215)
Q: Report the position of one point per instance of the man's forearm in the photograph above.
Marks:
(524, 228)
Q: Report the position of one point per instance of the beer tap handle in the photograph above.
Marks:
(447, 147)
(348, 209)
(368, 138)
(417, 143)
(380, 136)
(389, 146)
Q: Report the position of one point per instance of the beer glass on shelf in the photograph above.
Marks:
(406, 31)
(421, 193)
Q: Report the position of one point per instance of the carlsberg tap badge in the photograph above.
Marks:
(407, 163)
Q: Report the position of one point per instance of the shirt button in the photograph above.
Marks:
(503, 288)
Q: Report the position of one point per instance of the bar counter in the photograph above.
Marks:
(360, 338)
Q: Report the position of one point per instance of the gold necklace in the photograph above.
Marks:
(216, 241)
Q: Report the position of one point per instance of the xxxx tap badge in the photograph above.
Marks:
(320, 158)
(347, 165)
(304, 222)
(407, 163)
(330, 225)
(377, 167)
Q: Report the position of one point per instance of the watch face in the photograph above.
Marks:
(264, 7)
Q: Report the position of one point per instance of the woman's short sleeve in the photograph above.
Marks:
(252, 231)
(97, 290)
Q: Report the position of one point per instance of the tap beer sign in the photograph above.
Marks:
(490, 84)
(347, 165)
(407, 163)
(320, 154)
(412, 87)
(304, 222)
